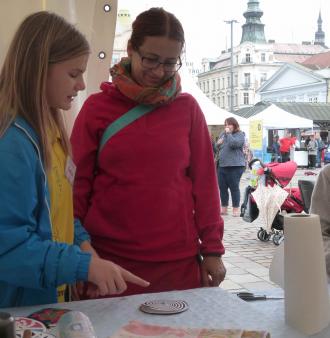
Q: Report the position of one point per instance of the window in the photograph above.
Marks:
(218, 99)
(213, 88)
(236, 80)
(236, 100)
(223, 83)
(218, 84)
(247, 57)
(228, 100)
(247, 79)
(204, 87)
(263, 57)
(246, 98)
(237, 59)
(223, 101)
(315, 99)
(263, 77)
(207, 86)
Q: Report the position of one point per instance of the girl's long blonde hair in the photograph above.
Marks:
(42, 39)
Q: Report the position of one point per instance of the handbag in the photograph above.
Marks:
(249, 209)
(122, 122)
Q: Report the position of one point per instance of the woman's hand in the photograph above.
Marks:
(220, 140)
(213, 271)
(110, 278)
(227, 130)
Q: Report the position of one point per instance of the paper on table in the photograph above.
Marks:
(276, 269)
(135, 329)
(307, 306)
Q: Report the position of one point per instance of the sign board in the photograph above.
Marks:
(255, 134)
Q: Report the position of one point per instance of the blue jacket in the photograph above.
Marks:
(31, 264)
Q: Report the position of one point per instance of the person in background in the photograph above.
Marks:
(42, 248)
(320, 203)
(248, 154)
(320, 148)
(231, 165)
(286, 143)
(149, 197)
(312, 152)
(214, 146)
(276, 154)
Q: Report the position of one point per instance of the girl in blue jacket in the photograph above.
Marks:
(41, 247)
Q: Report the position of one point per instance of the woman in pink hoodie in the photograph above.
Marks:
(148, 196)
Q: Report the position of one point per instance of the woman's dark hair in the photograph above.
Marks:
(156, 22)
(233, 122)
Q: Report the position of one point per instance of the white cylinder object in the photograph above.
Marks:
(307, 306)
(75, 324)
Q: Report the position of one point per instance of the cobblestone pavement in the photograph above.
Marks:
(247, 259)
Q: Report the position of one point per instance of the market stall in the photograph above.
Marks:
(276, 119)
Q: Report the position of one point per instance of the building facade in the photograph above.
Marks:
(254, 61)
(296, 83)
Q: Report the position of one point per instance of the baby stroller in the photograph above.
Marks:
(273, 174)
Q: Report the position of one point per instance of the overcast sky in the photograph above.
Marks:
(206, 33)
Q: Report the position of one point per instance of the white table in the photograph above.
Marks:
(300, 157)
(208, 307)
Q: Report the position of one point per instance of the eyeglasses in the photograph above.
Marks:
(153, 63)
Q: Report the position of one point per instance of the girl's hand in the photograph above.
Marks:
(77, 290)
(87, 247)
(110, 278)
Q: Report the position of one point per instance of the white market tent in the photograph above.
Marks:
(214, 115)
(274, 117)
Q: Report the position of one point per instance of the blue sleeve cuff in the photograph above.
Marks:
(83, 266)
(80, 234)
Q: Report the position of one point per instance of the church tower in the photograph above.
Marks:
(319, 35)
(253, 29)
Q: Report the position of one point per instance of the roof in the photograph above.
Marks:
(318, 61)
(294, 52)
(290, 58)
(313, 111)
(297, 48)
(222, 64)
(283, 52)
(251, 111)
(318, 112)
